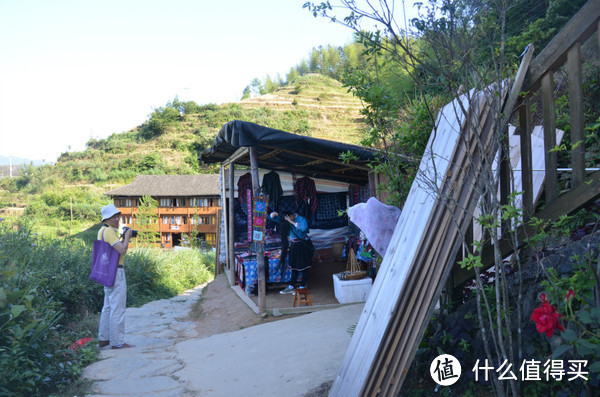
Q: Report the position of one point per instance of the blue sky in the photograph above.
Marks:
(73, 70)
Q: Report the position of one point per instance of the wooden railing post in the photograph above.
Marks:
(550, 137)
(505, 177)
(576, 110)
(526, 159)
(260, 252)
(231, 237)
(224, 213)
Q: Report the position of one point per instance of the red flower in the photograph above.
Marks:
(570, 294)
(546, 318)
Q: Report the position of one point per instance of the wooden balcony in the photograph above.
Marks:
(187, 210)
(187, 228)
(190, 211)
(125, 210)
(206, 228)
(175, 228)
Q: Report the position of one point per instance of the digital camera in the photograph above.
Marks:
(134, 232)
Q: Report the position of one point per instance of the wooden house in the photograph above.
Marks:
(184, 203)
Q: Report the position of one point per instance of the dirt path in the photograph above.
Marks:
(220, 310)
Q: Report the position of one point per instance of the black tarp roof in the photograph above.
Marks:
(284, 151)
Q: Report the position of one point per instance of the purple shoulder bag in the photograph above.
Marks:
(105, 260)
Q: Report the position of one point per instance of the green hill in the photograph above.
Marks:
(169, 143)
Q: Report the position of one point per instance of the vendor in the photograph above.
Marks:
(300, 249)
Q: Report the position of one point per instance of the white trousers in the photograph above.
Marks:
(112, 318)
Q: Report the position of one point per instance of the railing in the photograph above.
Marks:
(584, 186)
(565, 48)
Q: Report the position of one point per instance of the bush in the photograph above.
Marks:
(44, 287)
(154, 274)
(160, 119)
(150, 161)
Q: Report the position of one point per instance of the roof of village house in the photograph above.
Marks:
(170, 186)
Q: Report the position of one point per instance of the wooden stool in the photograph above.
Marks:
(301, 295)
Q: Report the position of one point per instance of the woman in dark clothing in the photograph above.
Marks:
(300, 250)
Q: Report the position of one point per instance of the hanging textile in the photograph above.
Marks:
(377, 221)
(306, 192)
(271, 186)
(358, 194)
(244, 184)
(331, 212)
(259, 215)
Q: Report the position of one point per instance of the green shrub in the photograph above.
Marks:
(44, 288)
(160, 120)
(153, 273)
(151, 161)
(43, 285)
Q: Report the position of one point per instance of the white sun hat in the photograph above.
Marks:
(108, 211)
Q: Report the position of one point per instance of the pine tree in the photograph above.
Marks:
(146, 220)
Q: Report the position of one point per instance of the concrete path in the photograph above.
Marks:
(289, 357)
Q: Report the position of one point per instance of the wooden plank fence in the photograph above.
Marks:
(437, 210)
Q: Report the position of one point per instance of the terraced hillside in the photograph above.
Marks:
(332, 112)
(314, 105)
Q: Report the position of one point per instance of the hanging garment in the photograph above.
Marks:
(271, 186)
(358, 194)
(306, 192)
(244, 184)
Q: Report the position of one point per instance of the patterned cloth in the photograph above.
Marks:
(327, 216)
(358, 194)
(306, 192)
(248, 273)
(244, 184)
(241, 220)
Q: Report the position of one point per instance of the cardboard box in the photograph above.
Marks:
(351, 291)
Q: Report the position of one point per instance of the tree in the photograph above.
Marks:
(256, 87)
(292, 75)
(160, 119)
(246, 93)
(270, 85)
(146, 220)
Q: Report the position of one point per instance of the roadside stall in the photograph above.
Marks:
(292, 172)
(327, 219)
